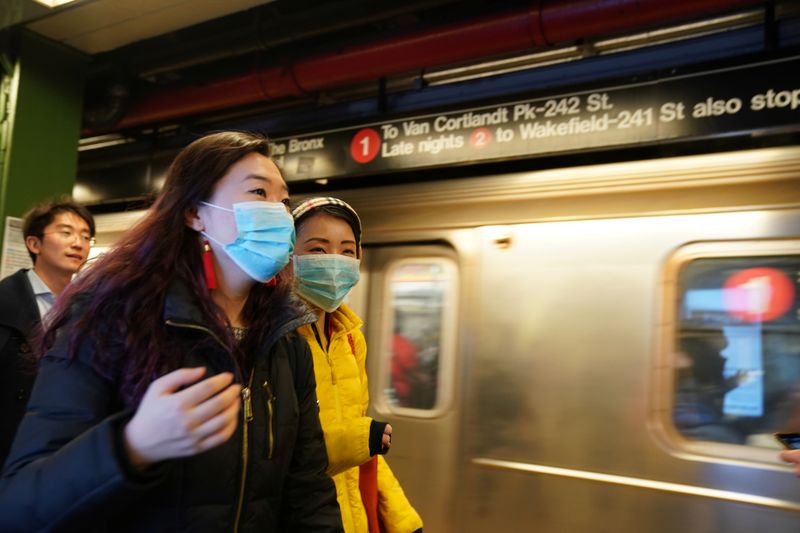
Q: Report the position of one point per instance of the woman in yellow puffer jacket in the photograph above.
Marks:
(326, 264)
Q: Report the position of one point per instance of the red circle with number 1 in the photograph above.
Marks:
(365, 145)
(758, 294)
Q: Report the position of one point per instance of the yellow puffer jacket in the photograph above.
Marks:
(343, 399)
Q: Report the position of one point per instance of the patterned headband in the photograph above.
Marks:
(313, 203)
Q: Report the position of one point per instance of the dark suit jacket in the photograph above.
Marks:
(19, 314)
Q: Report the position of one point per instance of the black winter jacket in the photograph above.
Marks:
(68, 470)
(19, 314)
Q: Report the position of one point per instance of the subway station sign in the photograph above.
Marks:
(754, 98)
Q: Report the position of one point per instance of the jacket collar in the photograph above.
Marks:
(343, 320)
(180, 305)
(19, 310)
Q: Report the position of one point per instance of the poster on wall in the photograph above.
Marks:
(15, 253)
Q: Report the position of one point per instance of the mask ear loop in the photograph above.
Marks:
(208, 266)
(272, 282)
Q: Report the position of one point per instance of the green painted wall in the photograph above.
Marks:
(42, 124)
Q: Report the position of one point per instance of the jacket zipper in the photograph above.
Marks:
(247, 417)
(333, 372)
(327, 354)
(197, 327)
(339, 418)
(330, 365)
(247, 413)
(268, 394)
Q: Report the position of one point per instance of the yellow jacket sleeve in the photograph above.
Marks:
(360, 344)
(348, 440)
(347, 443)
(396, 512)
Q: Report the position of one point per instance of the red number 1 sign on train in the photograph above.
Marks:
(365, 145)
(758, 294)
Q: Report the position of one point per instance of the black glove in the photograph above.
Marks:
(376, 438)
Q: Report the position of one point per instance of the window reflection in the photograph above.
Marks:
(419, 292)
(737, 350)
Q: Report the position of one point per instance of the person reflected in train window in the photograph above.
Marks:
(405, 361)
(413, 387)
(173, 393)
(326, 267)
(58, 235)
(701, 388)
(792, 456)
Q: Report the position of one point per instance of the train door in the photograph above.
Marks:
(412, 304)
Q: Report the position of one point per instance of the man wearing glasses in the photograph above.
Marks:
(58, 236)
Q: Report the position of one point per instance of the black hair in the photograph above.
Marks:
(336, 211)
(42, 215)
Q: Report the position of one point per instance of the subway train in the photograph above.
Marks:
(538, 342)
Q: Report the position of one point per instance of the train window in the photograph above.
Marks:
(421, 293)
(736, 349)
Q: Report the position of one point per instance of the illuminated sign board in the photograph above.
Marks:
(753, 98)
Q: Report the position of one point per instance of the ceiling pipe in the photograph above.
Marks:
(545, 22)
(265, 32)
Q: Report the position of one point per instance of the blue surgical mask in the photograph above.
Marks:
(264, 240)
(325, 279)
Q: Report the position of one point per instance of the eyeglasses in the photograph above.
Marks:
(70, 235)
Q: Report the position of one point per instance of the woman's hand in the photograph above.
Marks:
(171, 423)
(387, 436)
(792, 456)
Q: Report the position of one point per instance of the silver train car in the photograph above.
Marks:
(538, 341)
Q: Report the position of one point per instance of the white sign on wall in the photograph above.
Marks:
(15, 253)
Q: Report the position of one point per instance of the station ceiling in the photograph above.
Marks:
(154, 54)
(95, 26)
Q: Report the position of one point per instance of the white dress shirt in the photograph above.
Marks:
(44, 296)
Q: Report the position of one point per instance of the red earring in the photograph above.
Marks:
(271, 283)
(208, 266)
